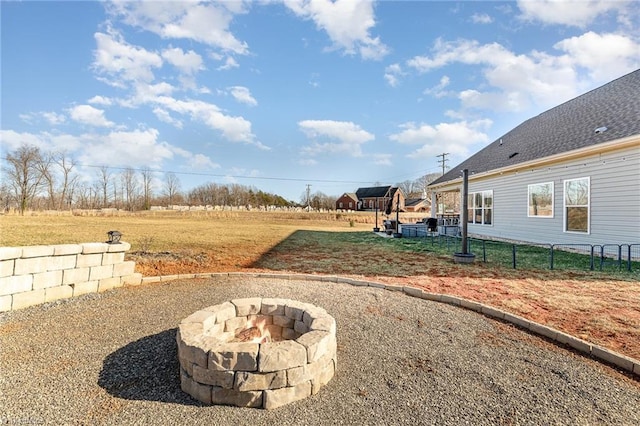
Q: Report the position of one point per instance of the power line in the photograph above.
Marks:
(228, 176)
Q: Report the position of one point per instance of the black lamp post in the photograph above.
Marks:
(376, 229)
(464, 256)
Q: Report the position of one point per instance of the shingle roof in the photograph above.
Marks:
(567, 127)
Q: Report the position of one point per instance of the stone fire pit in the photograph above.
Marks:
(256, 352)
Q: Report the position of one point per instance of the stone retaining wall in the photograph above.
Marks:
(37, 274)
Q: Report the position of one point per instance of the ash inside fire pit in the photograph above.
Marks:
(256, 352)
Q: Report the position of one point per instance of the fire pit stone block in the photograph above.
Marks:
(217, 368)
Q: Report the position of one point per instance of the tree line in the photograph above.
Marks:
(34, 179)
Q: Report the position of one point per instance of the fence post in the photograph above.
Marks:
(484, 251)
(592, 264)
(629, 257)
(620, 257)
(551, 256)
(513, 251)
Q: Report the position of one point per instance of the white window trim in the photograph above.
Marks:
(564, 206)
(553, 204)
(473, 197)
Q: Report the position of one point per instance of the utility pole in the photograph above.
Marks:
(443, 161)
(308, 197)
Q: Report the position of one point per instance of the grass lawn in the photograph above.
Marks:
(603, 308)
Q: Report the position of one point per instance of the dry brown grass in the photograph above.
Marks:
(599, 308)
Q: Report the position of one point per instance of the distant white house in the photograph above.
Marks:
(570, 175)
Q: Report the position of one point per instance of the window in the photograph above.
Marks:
(340, 204)
(350, 205)
(540, 200)
(480, 208)
(370, 204)
(576, 205)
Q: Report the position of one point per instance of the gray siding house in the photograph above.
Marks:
(570, 175)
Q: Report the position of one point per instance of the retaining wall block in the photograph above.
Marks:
(90, 248)
(32, 265)
(124, 268)
(89, 260)
(63, 249)
(36, 251)
(73, 276)
(84, 288)
(7, 253)
(26, 299)
(100, 272)
(123, 246)
(15, 284)
(112, 258)
(5, 303)
(57, 293)
(6, 267)
(57, 263)
(109, 283)
(133, 279)
(47, 279)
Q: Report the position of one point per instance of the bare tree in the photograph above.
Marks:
(45, 168)
(104, 178)
(131, 189)
(171, 186)
(66, 165)
(147, 177)
(24, 175)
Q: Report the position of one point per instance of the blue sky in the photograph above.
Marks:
(281, 94)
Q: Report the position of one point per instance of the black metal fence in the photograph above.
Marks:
(594, 257)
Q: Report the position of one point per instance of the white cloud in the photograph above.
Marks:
(236, 129)
(203, 22)
(242, 95)
(344, 137)
(517, 81)
(54, 118)
(202, 162)
(578, 13)
(439, 90)
(121, 61)
(100, 100)
(86, 114)
(481, 18)
(606, 56)
(164, 116)
(188, 63)
(347, 23)
(392, 74)
(125, 148)
(455, 138)
(229, 63)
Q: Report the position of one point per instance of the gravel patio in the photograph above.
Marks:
(110, 358)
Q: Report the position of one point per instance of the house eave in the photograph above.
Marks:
(623, 143)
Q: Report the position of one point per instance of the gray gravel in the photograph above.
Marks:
(111, 359)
